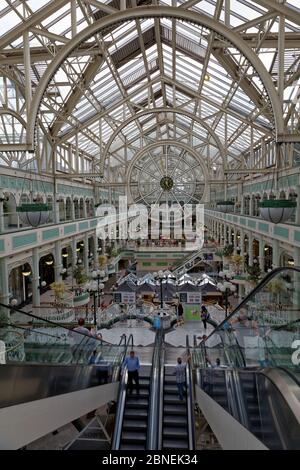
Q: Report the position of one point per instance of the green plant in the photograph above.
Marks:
(254, 273)
(59, 289)
(237, 260)
(102, 259)
(228, 251)
(79, 275)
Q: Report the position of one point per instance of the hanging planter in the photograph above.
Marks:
(277, 210)
(34, 213)
(225, 206)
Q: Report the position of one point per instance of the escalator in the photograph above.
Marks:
(137, 414)
(176, 426)
(245, 365)
(175, 416)
(135, 421)
(45, 368)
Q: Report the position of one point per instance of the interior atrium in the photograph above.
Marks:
(150, 203)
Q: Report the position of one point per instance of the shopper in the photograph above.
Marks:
(180, 377)
(204, 316)
(133, 365)
(180, 311)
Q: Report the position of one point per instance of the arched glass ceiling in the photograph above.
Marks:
(152, 63)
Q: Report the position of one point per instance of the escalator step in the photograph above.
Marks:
(144, 393)
(134, 424)
(174, 433)
(175, 410)
(132, 447)
(175, 444)
(170, 389)
(173, 399)
(133, 413)
(178, 421)
(134, 402)
(135, 436)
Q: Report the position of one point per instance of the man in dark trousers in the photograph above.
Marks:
(133, 365)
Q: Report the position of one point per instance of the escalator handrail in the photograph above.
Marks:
(153, 423)
(190, 399)
(161, 399)
(116, 440)
(259, 286)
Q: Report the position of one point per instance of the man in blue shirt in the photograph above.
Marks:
(133, 364)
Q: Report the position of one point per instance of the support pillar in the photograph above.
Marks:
(58, 263)
(261, 255)
(96, 261)
(86, 254)
(298, 205)
(36, 298)
(250, 249)
(4, 288)
(275, 254)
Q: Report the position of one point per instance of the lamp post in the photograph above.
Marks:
(160, 275)
(226, 287)
(98, 275)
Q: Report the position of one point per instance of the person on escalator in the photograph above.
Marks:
(180, 376)
(133, 365)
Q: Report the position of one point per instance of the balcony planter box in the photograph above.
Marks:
(225, 206)
(34, 213)
(277, 211)
(82, 299)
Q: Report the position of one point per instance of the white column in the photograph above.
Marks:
(251, 206)
(275, 254)
(4, 287)
(72, 209)
(74, 253)
(36, 298)
(84, 209)
(86, 253)
(250, 248)
(58, 263)
(261, 255)
(1, 216)
(298, 205)
(96, 262)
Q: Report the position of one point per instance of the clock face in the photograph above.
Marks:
(166, 183)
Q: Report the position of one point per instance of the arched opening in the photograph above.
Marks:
(68, 208)
(20, 284)
(46, 270)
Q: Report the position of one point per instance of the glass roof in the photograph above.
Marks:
(147, 64)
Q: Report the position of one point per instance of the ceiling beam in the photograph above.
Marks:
(39, 16)
(77, 92)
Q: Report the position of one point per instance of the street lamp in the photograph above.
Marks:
(226, 287)
(160, 275)
(98, 275)
(93, 289)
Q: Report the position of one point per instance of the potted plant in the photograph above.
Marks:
(225, 206)
(277, 211)
(237, 260)
(254, 273)
(228, 251)
(102, 259)
(79, 275)
(59, 289)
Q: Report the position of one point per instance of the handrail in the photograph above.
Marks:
(152, 434)
(161, 399)
(259, 286)
(115, 445)
(190, 399)
(29, 330)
